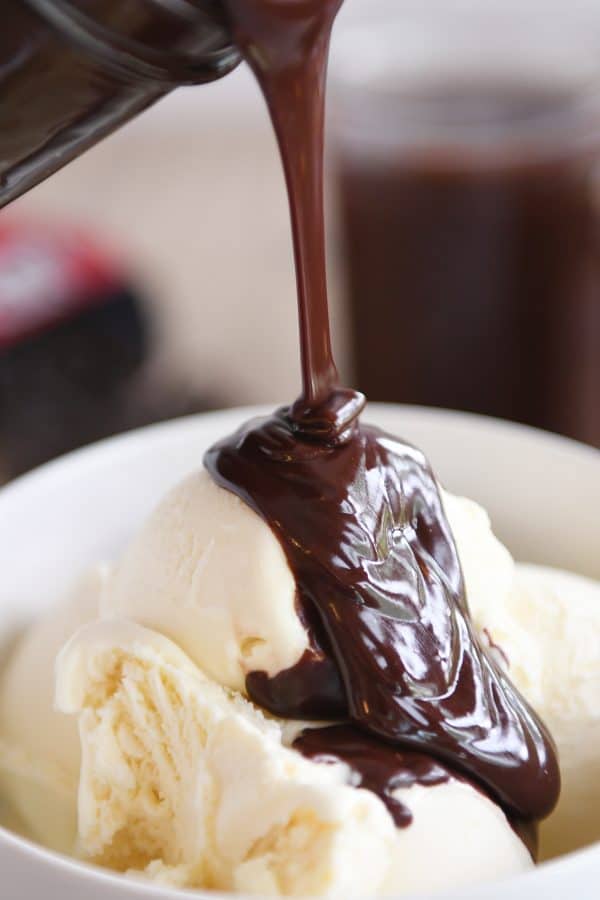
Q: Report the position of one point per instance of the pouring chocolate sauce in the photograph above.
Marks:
(360, 517)
(357, 512)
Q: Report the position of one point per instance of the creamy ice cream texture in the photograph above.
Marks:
(544, 627)
(179, 770)
(208, 572)
(184, 781)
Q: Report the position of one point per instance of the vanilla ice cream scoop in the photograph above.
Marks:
(176, 770)
(543, 626)
(187, 782)
(209, 573)
(206, 571)
(209, 581)
(548, 630)
(488, 568)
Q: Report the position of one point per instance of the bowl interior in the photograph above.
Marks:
(542, 493)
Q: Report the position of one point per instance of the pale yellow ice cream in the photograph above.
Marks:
(208, 572)
(183, 778)
(544, 626)
(549, 630)
(205, 571)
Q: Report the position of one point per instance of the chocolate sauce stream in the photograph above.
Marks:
(358, 513)
(286, 44)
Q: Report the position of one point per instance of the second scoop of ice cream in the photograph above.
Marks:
(184, 779)
(209, 573)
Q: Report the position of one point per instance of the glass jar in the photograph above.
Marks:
(466, 148)
(72, 71)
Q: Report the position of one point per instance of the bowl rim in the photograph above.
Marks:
(135, 437)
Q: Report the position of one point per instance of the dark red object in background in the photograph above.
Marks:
(74, 343)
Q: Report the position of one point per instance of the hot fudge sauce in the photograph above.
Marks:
(377, 767)
(360, 518)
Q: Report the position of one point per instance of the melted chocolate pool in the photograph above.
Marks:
(359, 516)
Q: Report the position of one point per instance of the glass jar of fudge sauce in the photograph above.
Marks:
(465, 154)
(72, 71)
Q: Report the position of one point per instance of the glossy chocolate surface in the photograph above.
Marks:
(359, 514)
(375, 766)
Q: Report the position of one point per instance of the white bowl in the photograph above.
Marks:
(543, 493)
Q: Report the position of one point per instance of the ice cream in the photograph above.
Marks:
(543, 626)
(548, 630)
(205, 570)
(175, 776)
(178, 770)
(183, 777)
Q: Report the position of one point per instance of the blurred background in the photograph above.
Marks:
(464, 261)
